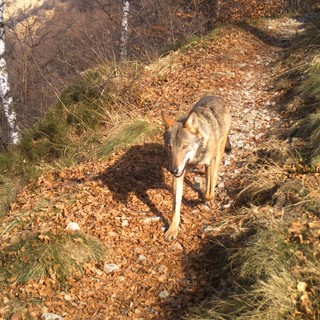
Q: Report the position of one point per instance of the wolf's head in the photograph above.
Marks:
(182, 141)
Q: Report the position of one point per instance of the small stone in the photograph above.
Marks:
(178, 246)
(72, 226)
(302, 286)
(226, 162)
(221, 185)
(125, 223)
(67, 297)
(110, 267)
(204, 206)
(5, 300)
(99, 272)
(51, 316)
(198, 183)
(151, 219)
(228, 205)
(142, 257)
(164, 294)
(245, 128)
(163, 269)
(208, 229)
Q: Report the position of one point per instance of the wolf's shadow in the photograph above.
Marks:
(137, 171)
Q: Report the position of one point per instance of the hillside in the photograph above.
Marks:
(124, 200)
(13, 6)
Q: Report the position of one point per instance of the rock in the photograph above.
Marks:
(198, 183)
(72, 226)
(204, 206)
(178, 246)
(142, 257)
(163, 269)
(67, 297)
(220, 186)
(164, 294)
(208, 229)
(151, 219)
(228, 205)
(51, 316)
(124, 223)
(110, 267)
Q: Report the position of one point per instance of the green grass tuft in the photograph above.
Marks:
(266, 253)
(128, 134)
(8, 189)
(264, 284)
(309, 86)
(56, 256)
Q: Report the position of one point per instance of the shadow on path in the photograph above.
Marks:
(266, 38)
(137, 171)
(207, 275)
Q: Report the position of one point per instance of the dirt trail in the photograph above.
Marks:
(126, 201)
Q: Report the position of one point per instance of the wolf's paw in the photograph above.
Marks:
(171, 234)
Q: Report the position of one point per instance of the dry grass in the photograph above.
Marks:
(48, 255)
(8, 189)
(126, 135)
(264, 283)
(261, 183)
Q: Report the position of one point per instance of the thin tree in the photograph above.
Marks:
(5, 98)
(124, 30)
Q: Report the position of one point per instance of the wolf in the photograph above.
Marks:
(201, 137)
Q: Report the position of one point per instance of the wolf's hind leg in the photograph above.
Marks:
(212, 172)
(210, 181)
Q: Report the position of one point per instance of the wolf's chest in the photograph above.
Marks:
(203, 156)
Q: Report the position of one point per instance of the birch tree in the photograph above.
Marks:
(124, 30)
(218, 8)
(5, 98)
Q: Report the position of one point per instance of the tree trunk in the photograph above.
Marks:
(218, 9)
(124, 31)
(5, 98)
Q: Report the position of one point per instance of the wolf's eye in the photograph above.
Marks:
(185, 146)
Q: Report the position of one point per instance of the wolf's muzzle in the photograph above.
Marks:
(174, 171)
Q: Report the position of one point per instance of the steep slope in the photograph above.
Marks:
(125, 201)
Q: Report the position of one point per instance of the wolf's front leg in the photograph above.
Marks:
(177, 188)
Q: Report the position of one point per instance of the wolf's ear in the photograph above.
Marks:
(167, 120)
(192, 123)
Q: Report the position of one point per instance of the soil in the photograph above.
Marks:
(126, 201)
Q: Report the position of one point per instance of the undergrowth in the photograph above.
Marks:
(307, 81)
(57, 256)
(126, 135)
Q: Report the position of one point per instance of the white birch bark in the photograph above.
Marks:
(124, 30)
(218, 8)
(5, 98)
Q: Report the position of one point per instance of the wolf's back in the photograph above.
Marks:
(213, 115)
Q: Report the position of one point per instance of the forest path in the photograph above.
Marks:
(126, 201)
